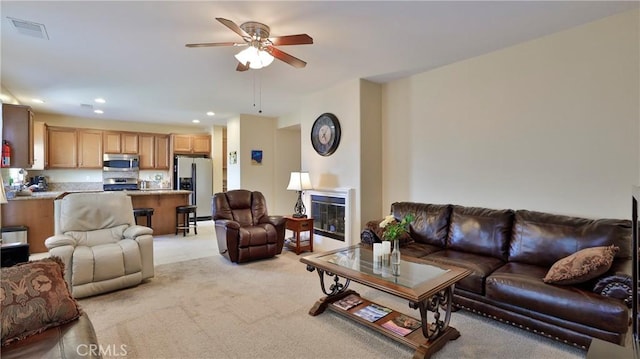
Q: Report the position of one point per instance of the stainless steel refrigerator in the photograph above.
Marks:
(195, 174)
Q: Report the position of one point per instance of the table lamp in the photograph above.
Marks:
(299, 181)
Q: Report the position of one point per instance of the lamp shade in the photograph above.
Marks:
(299, 181)
(256, 58)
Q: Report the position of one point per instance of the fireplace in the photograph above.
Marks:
(331, 213)
(328, 216)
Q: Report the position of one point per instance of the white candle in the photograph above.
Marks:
(377, 252)
(386, 247)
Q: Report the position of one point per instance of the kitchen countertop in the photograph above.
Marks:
(143, 192)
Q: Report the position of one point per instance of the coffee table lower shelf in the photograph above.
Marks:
(423, 346)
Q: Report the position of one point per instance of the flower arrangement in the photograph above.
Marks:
(393, 229)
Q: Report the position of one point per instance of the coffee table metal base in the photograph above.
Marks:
(434, 334)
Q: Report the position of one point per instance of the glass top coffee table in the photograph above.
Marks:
(427, 286)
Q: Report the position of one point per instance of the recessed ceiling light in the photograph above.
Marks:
(100, 112)
(37, 100)
(210, 113)
(195, 121)
(99, 100)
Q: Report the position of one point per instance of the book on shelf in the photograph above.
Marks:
(348, 302)
(373, 312)
(402, 324)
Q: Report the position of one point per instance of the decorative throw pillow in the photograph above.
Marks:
(581, 266)
(35, 297)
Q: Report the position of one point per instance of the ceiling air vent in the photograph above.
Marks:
(29, 28)
(87, 106)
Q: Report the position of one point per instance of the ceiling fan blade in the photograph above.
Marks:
(300, 39)
(235, 28)
(283, 56)
(213, 44)
(242, 67)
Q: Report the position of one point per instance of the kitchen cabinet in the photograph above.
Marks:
(120, 142)
(39, 140)
(154, 151)
(163, 161)
(17, 130)
(62, 147)
(89, 148)
(192, 144)
(73, 148)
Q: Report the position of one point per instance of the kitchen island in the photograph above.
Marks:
(36, 212)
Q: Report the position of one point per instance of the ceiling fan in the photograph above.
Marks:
(262, 48)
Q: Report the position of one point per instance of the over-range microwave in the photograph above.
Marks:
(119, 162)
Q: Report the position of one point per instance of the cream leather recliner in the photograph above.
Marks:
(97, 238)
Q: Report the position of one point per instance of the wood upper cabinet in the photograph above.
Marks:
(17, 130)
(202, 144)
(61, 148)
(89, 148)
(154, 151)
(192, 144)
(120, 142)
(39, 140)
(73, 148)
(163, 161)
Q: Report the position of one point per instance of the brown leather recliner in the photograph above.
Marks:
(244, 229)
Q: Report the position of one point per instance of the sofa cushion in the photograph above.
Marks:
(431, 221)
(542, 238)
(35, 297)
(480, 230)
(418, 250)
(479, 265)
(520, 287)
(581, 266)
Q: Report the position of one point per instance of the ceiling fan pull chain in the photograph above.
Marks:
(254, 88)
(260, 94)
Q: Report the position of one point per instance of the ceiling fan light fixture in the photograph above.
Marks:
(256, 58)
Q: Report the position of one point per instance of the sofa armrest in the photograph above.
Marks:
(373, 230)
(59, 240)
(135, 231)
(617, 282)
(367, 236)
(615, 286)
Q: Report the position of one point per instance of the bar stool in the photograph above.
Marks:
(186, 211)
(143, 212)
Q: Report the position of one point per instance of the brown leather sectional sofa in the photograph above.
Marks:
(510, 251)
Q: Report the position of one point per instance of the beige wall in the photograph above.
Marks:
(342, 168)
(287, 153)
(233, 145)
(217, 158)
(550, 125)
(370, 151)
(258, 133)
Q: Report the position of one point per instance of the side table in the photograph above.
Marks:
(298, 225)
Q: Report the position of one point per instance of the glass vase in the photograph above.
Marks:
(395, 258)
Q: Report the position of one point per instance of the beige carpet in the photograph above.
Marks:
(199, 305)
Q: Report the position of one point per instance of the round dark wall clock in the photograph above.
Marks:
(325, 134)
